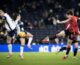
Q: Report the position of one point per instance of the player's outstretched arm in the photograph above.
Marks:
(61, 22)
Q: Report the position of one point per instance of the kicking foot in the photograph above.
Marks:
(22, 57)
(65, 57)
(9, 55)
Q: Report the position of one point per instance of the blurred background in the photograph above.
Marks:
(39, 15)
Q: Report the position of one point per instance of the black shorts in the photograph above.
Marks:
(67, 33)
(12, 33)
(70, 35)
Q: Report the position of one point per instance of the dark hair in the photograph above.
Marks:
(3, 9)
(70, 12)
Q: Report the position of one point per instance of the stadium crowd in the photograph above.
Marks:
(38, 15)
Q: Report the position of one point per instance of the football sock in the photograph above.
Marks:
(10, 48)
(30, 40)
(68, 50)
(75, 51)
(63, 48)
(21, 49)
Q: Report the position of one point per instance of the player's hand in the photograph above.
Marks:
(58, 21)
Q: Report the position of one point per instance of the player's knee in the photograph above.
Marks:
(22, 45)
(69, 42)
(22, 40)
(29, 35)
(9, 40)
(68, 46)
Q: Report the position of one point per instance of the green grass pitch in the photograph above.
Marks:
(35, 58)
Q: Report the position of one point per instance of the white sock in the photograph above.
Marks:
(10, 48)
(21, 50)
(30, 40)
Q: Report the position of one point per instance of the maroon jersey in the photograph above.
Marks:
(72, 25)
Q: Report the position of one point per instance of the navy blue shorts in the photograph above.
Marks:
(12, 33)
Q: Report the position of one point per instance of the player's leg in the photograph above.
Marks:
(75, 48)
(62, 48)
(9, 41)
(52, 37)
(68, 47)
(30, 38)
(22, 41)
(61, 34)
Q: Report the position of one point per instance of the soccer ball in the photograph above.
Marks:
(22, 34)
